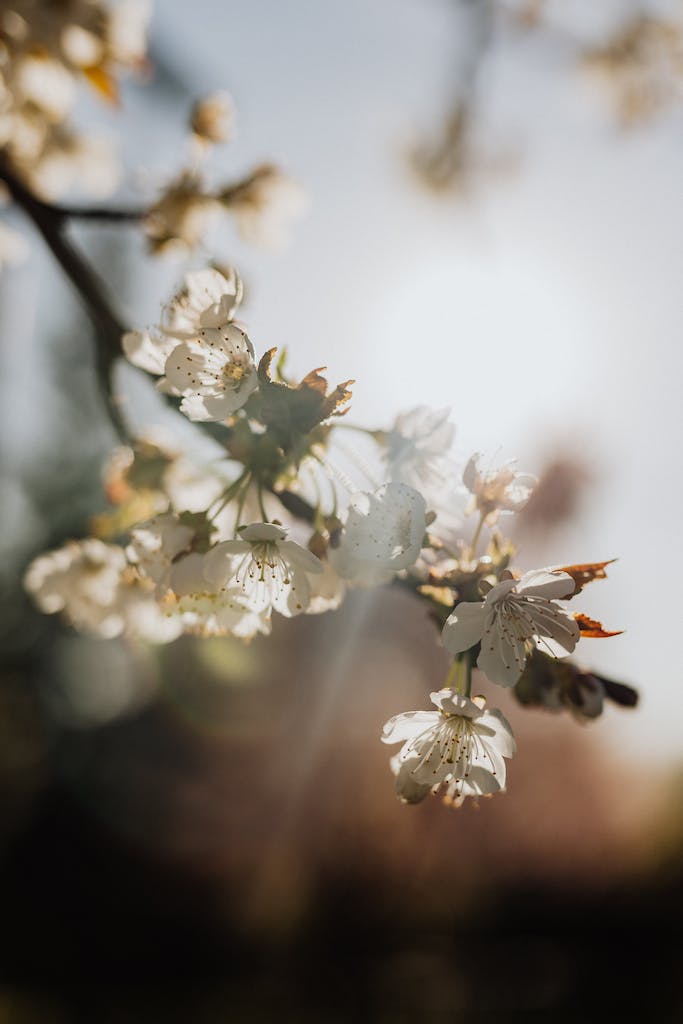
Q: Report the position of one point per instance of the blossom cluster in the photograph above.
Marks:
(46, 50)
(275, 526)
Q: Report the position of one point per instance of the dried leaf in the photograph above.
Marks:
(586, 573)
(103, 83)
(593, 628)
(295, 410)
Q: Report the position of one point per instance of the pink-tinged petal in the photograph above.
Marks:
(464, 626)
(546, 584)
(409, 725)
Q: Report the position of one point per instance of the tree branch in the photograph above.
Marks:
(51, 223)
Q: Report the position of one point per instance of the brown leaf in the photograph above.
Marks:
(294, 410)
(103, 83)
(593, 628)
(585, 573)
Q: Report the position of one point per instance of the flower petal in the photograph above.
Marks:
(464, 626)
(547, 584)
(408, 725)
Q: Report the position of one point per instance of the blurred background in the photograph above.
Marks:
(208, 831)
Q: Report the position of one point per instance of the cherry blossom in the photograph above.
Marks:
(264, 569)
(514, 615)
(461, 746)
(383, 534)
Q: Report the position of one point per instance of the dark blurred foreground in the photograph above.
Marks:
(232, 851)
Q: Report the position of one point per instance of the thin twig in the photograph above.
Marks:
(113, 215)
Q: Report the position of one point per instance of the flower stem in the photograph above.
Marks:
(228, 494)
(460, 676)
(261, 506)
(242, 499)
(472, 550)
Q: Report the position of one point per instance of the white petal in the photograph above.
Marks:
(464, 626)
(257, 532)
(499, 725)
(409, 725)
(408, 790)
(454, 703)
(300, 557)
(220, 561)
(146, 351)
(547, 584)
(502, 658)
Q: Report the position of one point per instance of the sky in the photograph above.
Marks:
(543, 305)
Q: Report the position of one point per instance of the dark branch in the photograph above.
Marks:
(51, 222)
(108, 214)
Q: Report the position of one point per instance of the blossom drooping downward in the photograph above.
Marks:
(514, 615)
(461, 746)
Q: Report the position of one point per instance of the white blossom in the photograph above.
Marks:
(264, 569)
(461, 746)
(497, 489)
(417, 448)
(156, 545)
(265, 206)
(514, 615)
(327, 590)
(96, 590)
(214, 372)
(213, 117)
(208, 299)
(181, 216)
(383, 534)
(207, 609)
(80, 579)
(148, 350)
(127, 23)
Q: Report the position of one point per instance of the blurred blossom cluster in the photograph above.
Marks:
(641, 67)
(46, 51)
(636, 64)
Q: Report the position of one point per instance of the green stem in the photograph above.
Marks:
(460, 676)
(227, 495)
(240, 503)
(472, 550)
(261, 506)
